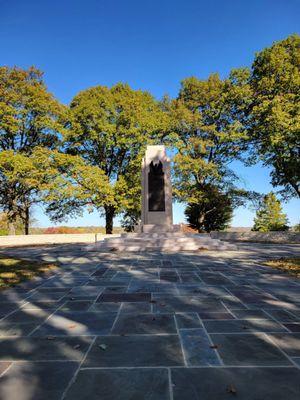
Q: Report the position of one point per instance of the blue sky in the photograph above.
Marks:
(150, 45)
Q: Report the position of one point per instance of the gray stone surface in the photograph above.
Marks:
(121, 384)
(152, 326)
(240, 383)
(135, 351)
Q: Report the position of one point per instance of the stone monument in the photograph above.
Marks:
(156, 230)
(157, 212)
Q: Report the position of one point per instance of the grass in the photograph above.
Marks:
(289, 265)
(14, 271)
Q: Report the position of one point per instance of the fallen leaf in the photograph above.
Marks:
(77, 346)
(103, 346)
(231, 389)
(72, 326)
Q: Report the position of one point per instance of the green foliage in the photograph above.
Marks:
(269, 216)
(29, 114)
(74, 185)
(30, 118)
(207, 118)
(212, 212)
(275, 112)
(110, 128)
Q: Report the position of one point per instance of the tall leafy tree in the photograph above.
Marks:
(207, 118)
(269, 216)
(30, 117)
(274, 120)
(110, 128)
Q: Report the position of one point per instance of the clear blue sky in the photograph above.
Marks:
(150, 45)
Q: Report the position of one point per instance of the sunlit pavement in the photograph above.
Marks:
(119, 326)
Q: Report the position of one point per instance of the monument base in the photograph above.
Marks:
(156, 228)
(159, 238)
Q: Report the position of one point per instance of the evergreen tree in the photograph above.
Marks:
(269, 217)
(212, 212)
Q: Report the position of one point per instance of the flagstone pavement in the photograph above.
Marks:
(120, 326)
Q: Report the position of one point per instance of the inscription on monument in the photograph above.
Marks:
(156, 187)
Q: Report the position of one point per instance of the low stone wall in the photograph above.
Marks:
(21, 240)
(270, 237)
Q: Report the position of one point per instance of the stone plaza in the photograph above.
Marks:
(157, 326)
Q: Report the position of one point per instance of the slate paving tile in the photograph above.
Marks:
(249, 383)
(210, 291)
(51, 290)
(153, 288)
(105, 307)
(42, 305)
(197, 348)
(105, 282)
(135, 351)
(288, 342)
(124, 297)
(36, 380)
(115, 289)
(190, 278)
(272, 305)
(243, 325)
(250, 314)
(17, 329)
(293, 327)
(135, 308)
(46, 296)
(99, 272)
(48, 348)
(248, 350)
(144, 324)
(27, 316)
(7, 308)
(121, 384)
(187, 304)
(187, 320)
(77, 305)
(283, 316)
(77, 323)
(215, 315)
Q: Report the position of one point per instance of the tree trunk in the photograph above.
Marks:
(109, 219)
(26, 220)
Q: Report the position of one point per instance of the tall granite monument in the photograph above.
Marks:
(156, 190)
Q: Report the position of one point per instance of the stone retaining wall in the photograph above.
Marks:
(21, 240)
(270, 237)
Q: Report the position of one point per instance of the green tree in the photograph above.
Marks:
(269, 216)
(110, 129)
(274, 116)
(212, 212)
(74, 185)
(30, 117)
(207, 118)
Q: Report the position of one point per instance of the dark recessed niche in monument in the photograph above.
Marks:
(156, 187)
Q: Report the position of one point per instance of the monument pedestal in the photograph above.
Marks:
(156, 231)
